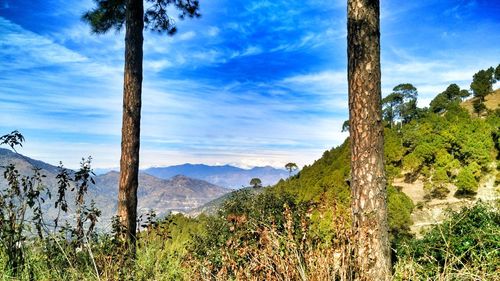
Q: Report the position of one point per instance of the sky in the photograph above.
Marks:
(250, 83)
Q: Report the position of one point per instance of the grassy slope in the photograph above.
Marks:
(492, 102)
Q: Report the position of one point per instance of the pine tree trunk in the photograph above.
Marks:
(132, 88)
(368, 184)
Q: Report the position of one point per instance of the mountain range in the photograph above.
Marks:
(227, 176)
(178, 193)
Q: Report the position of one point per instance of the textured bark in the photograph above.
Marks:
(132, 88)
(371, 259)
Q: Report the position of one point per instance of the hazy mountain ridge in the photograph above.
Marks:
(179, 193)
(24, 163)
(226, 176)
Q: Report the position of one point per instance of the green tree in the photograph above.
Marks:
(255, 183)
(452, 95)
(391, 105)
(290, 167)
(345, 126)
(408, 108)
(439, 103)
(478, 106)
(440, 179)
(466, 181)
(116, 14)
(401, 104)
(400, 207)
(482, 83)
(497, 73)
(368, 183)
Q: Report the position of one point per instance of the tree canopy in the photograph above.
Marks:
(111, 14)
(255, 183)
(401, 104)
(453, 95)
(482, 83)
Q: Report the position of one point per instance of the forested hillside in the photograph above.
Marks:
(298, 229)
(448, 151)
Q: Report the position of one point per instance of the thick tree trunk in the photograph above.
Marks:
(132, 88)
(368, 183)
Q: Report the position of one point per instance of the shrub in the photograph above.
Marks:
(399, 208)
(466, 182)
(463, 247)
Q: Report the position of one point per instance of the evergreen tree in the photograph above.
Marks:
(408, 108)
(391, 107)
(115, 14)
(482, 83)
(345, 126)
(478, 106)
(255, 183)
(368, 182)
(452, 95)
(290, 167)
(466, 182)
(401, 104)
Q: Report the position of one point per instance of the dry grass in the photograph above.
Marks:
(282, 256)
(492, 102)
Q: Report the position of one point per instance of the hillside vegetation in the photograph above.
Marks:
(294, 228)
(298, 229)
(492, 102)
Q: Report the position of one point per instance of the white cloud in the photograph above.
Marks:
(22, 49)
(248, 51)
(186, 36)
(157, 65)
(430, 75)
(322, 83)
(213, 31)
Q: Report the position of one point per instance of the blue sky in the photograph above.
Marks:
(250, 83)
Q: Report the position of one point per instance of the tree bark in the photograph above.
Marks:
(132, 88)
(371, 259)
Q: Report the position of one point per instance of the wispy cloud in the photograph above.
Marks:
(21, 49)
(186, 36)
(249, 83)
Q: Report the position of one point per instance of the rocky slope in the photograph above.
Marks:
(431, 212)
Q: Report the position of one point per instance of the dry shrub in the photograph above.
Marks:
(256, 251)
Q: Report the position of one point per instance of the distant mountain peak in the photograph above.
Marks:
(222, 175)
(180, 177)
(180, 193)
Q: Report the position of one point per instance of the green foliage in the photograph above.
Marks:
(460, 248)
(401, 104)
(111, 14)
(478, 106)
(239, 226)
(452, 96)
(399, 206)
(22, 220)
(255, 183)
(391, 107)
(345, 126)
(284, 228)
(393, 153)
(107, 15)
(290, 167)
(466, 181)
(482, 83)
(328, 175)
(22, 195)
(444, 144)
